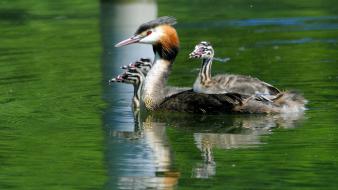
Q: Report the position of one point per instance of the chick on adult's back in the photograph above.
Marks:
(224, 83)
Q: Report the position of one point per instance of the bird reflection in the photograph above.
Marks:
(209, 132)
(245, 132)
(154, 135)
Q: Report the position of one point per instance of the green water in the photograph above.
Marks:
(50, 96)
(63, 127)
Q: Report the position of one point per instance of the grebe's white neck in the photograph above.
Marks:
(154, 85)
(165, 50)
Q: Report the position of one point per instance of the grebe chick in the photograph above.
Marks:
(260, 97)
(205, 83)
(134, 77)
(144, 64)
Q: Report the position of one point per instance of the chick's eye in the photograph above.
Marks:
(149, 32)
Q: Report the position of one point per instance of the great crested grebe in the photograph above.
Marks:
(247, 85)
(135, 77)
(163, 37)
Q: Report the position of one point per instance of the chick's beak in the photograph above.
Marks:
(131, 40)
(196, 53)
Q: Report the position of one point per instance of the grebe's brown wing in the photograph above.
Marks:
(192, 102)
(245, 84)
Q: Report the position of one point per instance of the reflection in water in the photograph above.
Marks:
(153, 135)
(240, 131)
(245, 132)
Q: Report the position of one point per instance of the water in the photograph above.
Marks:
(63, 127)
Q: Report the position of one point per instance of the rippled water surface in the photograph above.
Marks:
(63, 127)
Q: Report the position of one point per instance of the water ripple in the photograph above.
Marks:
(297, 23)
(298, 41)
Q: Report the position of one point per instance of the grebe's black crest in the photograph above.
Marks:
(159, 21)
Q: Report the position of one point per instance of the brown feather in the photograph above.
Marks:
(170, 39)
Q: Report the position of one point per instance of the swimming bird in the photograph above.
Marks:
(144, 64)
(224, 83)
(161, 34)
(135, 77)
(281, 102)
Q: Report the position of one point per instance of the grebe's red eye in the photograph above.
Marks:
(149, 32)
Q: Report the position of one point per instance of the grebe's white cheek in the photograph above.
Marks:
(151, 39)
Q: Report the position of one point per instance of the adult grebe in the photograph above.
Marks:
(205, 83)
(163, 37)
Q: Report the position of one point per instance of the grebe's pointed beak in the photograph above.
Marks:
(131, 40)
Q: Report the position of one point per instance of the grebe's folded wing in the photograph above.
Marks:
(192, 102)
